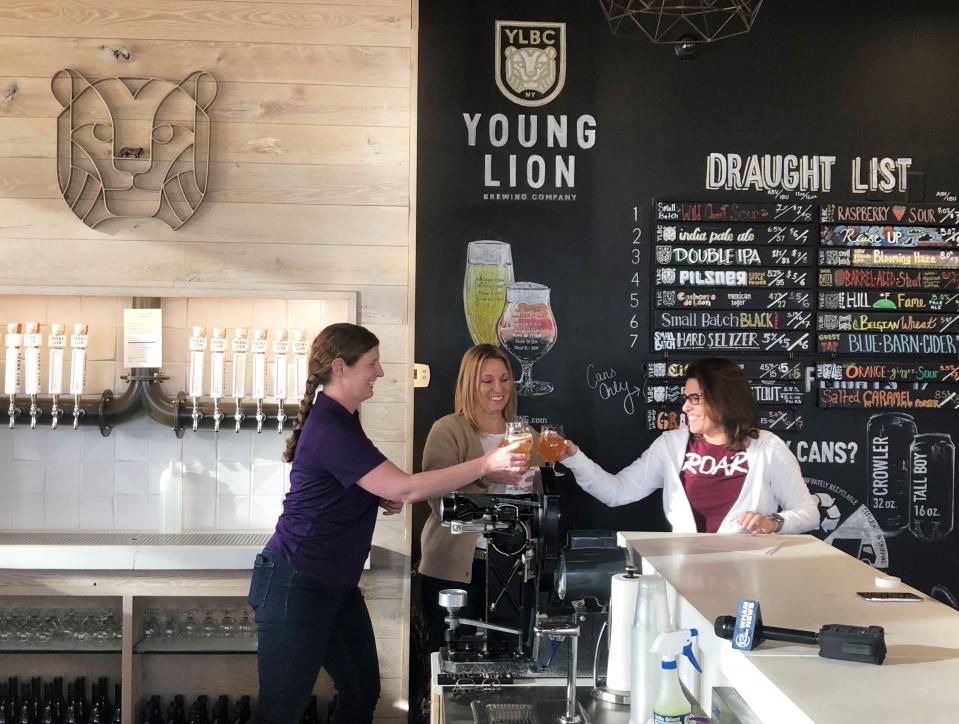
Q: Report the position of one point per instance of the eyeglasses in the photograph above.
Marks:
(694, 399)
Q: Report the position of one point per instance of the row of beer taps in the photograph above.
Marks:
(241, 347)
(22, 370)
(22, 374)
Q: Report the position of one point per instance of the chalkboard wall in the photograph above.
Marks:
(582, 152)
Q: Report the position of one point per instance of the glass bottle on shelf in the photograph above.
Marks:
(209, 627)
(191, 628)
(228, 625)
(151, 624)
(246, 628)
(170, 627)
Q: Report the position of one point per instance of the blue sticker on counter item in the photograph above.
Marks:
(746, 616)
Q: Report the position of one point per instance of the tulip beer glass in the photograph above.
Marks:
(552, 443)
(519, 431)
(527, 330)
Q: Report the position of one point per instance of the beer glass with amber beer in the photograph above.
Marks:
(489, 271)
(519, 431)
(527, 329)
(552, 443)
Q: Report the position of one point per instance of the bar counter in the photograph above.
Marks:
(804, 583)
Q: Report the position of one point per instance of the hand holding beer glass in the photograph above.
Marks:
(552, 445)
(521, 433)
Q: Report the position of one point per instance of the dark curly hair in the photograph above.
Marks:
(729, 396)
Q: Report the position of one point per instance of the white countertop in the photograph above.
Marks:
(130, 551)
(805, 584)
(133, 551)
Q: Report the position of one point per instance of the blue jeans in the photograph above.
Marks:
(304, 625)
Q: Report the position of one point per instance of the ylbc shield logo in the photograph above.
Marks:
(530, 61)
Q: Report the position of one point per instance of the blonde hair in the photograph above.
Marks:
(342, 340)
(467, 399)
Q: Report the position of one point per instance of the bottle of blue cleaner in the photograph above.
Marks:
(671, 705)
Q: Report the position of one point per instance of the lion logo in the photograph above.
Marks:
(131, 147)
(530, 61)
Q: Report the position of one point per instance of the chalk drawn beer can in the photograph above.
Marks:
(889, 437)
(932, 463)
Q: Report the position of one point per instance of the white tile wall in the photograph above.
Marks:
(61, 478)
(5, 502)
(69, 480)
(28, 446)
(132, 512)
(96, 512)
(80, 485)
(233, 512)
(61, 512)
(26, 512)
(132, 478)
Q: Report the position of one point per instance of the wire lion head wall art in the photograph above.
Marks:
(133, 147)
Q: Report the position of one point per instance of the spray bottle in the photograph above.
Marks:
(672, 706)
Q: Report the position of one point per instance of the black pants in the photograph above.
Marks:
(304, 625)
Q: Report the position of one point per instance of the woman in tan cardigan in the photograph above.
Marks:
(485, 400)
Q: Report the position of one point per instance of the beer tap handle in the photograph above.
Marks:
(55, 412)
(217, 414)
(196, 415)
(77, 412)
(260, 415)
(238, 415)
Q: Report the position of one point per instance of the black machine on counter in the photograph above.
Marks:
(537, 590)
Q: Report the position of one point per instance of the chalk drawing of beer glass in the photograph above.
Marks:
(527, 329)
(489, 271)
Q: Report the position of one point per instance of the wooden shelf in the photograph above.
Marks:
(194, 646)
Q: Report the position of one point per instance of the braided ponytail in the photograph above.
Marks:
(343, 341)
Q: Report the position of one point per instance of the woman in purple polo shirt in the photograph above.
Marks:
(310, 613)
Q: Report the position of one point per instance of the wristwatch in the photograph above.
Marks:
(778, 520)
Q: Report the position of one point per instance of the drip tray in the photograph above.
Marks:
(504, 713)
(522, 704)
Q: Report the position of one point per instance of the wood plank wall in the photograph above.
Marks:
(311, 168)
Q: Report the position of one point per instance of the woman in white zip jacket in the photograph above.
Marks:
(721, 417)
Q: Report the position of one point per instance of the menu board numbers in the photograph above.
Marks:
(635, 258)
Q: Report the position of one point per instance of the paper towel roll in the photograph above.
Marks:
(622, 609)
(651, 619)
